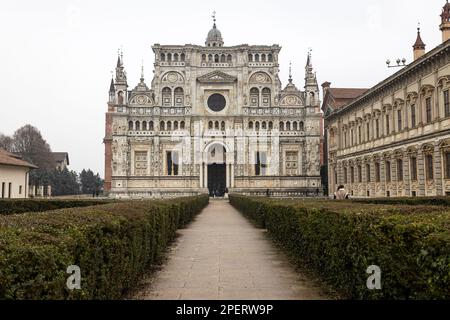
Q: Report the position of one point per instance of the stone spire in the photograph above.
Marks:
(214, 38)
(419, 46)
(121, 75)
(445, 22)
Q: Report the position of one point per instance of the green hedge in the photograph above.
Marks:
(11, 206)
(113, 244)
(339, 240)
(431, 201)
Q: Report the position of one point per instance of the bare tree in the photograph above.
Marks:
(28, 142)
(6, 143)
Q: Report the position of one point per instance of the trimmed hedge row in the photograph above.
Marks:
(32, 205)
(434, 201)
(113, 244)
(339, 240)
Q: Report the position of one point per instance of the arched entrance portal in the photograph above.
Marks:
(217, 170)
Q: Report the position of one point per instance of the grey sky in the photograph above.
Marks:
(56, 56)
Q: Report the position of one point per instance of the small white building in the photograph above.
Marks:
(14, 175)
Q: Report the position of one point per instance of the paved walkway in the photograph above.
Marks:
(222, 256)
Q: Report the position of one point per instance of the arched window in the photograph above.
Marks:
(216, 125)
(183, 57)
(222, 126)
(179, 97)
(175, 57)
(151, 126)
(175, 125)
(229, 58)
(250, 58)
(264, 125)
(169, 57)
(254, 97)
(163, 57)
(281, 126)
(182, 125)
(288, 126)
(266, 97)
(250, 125)
(270, 57)
(302, 126)
(137, 126)
(313, 98)
(210, 58)
(257, 125)
(130, 125)
(167, 97)
(263, 58)
(210, 125)
(270, 125)
(169, 125)
(256, 57)
(295, 126)
(203, 57)
(162, 126)
(222, 58)
(144, 125)
(216, 58)
(120, 97)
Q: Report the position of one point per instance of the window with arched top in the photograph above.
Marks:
(182, 125)
(281, 126)
(210, 58)
(169, 125)
(210, 125)
(151, 126)
(270, 125)
(203, 57)
(216, 125)
(288, 126)
(183, 57)
(312, 98)
(169, 57)
(270, 57)
(137, 125)
(263, 58)
(216, 58)
(222, 126)
(266, 97)
(229, 58)
(222, 58)
(250, 125)
(264, 125)
(163, 57)
(167, 97)
(175, 57)
(257, 125)
(144, 125)
(162, 126)
(254, 97)
(302, 126)
(256, 57)
(175, 125)
(250, 58)
(179, 97)
(130, 125)
(295, 126)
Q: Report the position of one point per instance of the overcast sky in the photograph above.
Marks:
(56, 56)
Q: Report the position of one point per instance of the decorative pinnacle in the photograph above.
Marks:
(290, 71)
(214, 18)
(142, 70)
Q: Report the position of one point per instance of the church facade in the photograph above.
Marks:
(214, 119)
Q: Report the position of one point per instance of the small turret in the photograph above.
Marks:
(445, 22)
(419, 46)
(214, 38)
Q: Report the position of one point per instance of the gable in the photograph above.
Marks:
(216, 77)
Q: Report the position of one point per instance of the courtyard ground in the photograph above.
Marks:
(222, 256)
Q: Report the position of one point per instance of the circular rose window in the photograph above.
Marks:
(216, 102)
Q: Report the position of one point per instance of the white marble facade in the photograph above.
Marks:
(214, 118)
